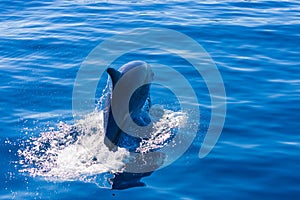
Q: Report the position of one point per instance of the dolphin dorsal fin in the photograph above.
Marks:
(115, 75)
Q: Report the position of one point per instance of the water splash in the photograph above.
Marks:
(77, 152)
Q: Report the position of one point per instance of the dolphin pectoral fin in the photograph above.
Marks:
(115, 75)
(141, 119)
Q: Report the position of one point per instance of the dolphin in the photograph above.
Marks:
(139, 103)
(137, 75)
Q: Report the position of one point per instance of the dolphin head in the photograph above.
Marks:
(138, 75)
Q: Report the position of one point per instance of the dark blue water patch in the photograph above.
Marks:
(9, 169)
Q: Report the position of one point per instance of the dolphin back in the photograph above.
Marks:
(115, 75)
(112, 131)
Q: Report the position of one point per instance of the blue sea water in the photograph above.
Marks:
(254, 44)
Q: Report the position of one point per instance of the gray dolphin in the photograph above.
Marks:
(138, 75)
(139, 104)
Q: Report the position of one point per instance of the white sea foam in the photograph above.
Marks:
(77, 152)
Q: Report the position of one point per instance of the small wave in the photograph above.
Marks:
(285, 81)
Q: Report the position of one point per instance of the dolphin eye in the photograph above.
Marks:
(150, 76)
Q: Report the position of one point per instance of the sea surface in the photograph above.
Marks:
(255, 46)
